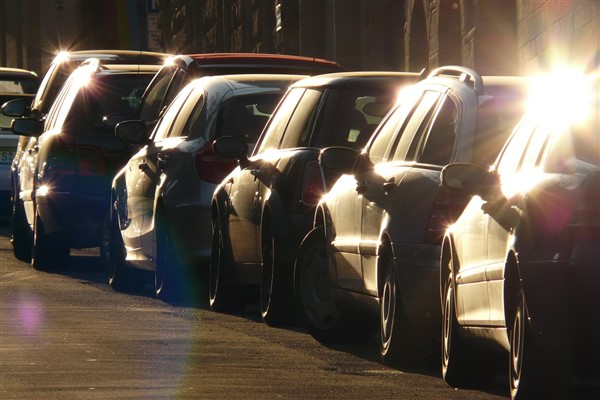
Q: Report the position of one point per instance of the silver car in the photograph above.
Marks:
(161, 199)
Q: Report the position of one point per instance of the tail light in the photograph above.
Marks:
(212, 168)
(80, 160)
(446, 209)
(313, 183)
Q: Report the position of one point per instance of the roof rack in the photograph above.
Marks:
(464, 74)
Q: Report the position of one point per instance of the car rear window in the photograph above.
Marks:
(17, 85)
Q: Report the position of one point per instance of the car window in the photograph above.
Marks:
(298, 130)
(104, 96)
(573, 149)
(382, 141)
(245, 116)
(17, 85)
(413, 130)
(512, 153)
(155, 94)
(274, 131)
(165, 123)
(441, 138)
(61, 106)
(350, 115)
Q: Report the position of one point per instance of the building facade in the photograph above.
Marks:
(495, 37)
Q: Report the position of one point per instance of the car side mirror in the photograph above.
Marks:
(337, 158)
(112, 120)
(232, 147)
(472, 179)
(14, 108)
(132, 131)
(30, 127)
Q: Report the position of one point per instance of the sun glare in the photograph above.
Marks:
(564, 96)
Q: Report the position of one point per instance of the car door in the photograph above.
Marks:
(518, 169)
(146, 167)
(244, 186)
(381, 198)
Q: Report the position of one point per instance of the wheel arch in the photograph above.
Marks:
(512, 285)
(385, 253)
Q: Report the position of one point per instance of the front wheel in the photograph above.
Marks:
(168, 271)
(222, 295)
(120, 276)
(326, 319)
(276, 283)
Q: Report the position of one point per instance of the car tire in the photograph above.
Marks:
(222, 295)
(276, 304)
(400, 343)
(524, 367)
(22, 234)
(120, 276)
(461, 366)
(327, 320)
(168, 271)
(48, 251)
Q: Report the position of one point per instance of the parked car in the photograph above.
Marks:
(520, 266)
(372, 258)
(60, 69)
(65, 178)
(179, 70)
(264, 208)
(15, 83)
(161, 198)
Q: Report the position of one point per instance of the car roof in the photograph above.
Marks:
(4, 71)
(352, 78)
(113, 56)
(256, 60)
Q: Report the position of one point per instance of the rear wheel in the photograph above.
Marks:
(22, 235)
(326, 319)
(168, 270)
(275, 287)
(48, 251)
(222, 295)
(400, 343)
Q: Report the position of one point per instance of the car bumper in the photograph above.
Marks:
(76, 217)
(419, 276)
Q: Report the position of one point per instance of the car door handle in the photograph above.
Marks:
(162, 160)
(144, 167)
(389, 185)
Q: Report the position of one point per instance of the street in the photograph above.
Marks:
(68, 335)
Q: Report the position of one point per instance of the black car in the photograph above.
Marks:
(263, 209)
(65, 181)
(57, 73)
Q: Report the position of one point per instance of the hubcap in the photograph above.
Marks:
(318, 300)
(388, 307)
(516, 349)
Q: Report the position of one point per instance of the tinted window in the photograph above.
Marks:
(413, 131)
(272, 136)
(245, 116)
(439, 143)
(350, 116)
(154, 95)
(165, 124)
(111, 94)
(17, 85)
(576, 148)
(297, 133)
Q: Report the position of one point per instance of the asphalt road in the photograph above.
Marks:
(68, 335)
